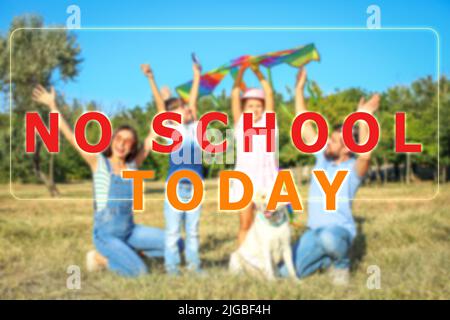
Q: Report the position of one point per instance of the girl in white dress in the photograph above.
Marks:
(259, 164)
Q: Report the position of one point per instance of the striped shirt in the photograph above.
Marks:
(102, 179)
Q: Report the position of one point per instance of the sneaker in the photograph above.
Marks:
(340, 277)
(95, 262)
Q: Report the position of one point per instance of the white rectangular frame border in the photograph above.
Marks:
(234, 29)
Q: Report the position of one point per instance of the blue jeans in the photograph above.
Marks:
(174, 220)
(121, 248)
(318, 249)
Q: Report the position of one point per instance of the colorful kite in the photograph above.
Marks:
(296, 57)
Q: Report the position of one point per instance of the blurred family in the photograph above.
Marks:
(120, 244)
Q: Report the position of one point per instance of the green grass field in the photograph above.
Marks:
(407, 240)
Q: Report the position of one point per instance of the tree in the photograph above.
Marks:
(444, 128)
(38, 56)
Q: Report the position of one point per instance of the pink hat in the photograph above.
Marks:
(254, 93)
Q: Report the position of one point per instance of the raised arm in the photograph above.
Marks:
(267, 88)
(369, 106)
(146, 148)
(308, 133)
(48, 98)
(156, 94)
(193, 96)
(236, 108)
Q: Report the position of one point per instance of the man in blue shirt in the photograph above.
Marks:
(188, 157)
(330, 235)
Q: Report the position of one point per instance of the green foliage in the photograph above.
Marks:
(419, 102)
(37, 57)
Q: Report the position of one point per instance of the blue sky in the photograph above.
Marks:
(372, 60)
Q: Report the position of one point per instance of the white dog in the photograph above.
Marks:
(266, 245)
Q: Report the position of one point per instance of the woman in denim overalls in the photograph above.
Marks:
(116, 237)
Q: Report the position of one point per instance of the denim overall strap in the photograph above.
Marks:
(120, 190)
(117, 218)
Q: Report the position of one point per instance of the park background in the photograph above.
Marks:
(405, 235)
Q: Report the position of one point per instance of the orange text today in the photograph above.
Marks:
(284, 189)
